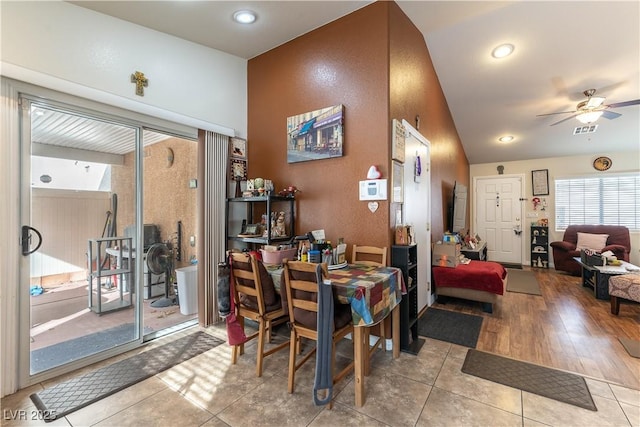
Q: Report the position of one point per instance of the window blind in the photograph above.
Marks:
(609, 200)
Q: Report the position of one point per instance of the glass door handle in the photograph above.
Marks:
(26, 240)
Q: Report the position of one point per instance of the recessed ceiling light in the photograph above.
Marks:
(502, 50)
(507, 138)
(244, 17)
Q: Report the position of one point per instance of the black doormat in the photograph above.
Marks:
(552, 383)
(450, 326)
(511, 265)
(71, 395)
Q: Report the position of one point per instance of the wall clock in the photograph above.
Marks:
(602, 163)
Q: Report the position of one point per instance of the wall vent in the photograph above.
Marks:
(585, 129)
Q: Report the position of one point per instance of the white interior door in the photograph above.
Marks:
(498, 216)
(417, 205)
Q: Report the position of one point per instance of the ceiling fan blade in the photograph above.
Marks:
(551, 114)
(563, 120)
(610, 114)
(624, 104)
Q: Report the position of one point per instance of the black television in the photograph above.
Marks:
(457, 212)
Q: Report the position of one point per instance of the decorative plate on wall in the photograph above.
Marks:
(602, 163)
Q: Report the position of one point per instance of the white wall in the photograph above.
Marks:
(560, 167)
(76, 51)
(81, 46)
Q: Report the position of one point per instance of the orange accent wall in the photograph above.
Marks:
(375, 63)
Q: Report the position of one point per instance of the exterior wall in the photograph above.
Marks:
(167, 196)
(560, 167)
(65, 218)
(375, 63)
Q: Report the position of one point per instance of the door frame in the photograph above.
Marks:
(16, 365)
(474, 207)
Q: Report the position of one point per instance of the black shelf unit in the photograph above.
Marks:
(406, 259)
(255, 207)
(539, 246)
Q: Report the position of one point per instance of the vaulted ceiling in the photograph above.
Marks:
(561, 50)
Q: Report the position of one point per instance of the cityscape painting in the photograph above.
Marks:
(315, 135)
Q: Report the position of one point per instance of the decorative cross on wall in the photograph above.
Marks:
(141, 82)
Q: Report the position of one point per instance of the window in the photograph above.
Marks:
(610, 200)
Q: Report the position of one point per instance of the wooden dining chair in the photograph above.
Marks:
(369, 255)
(301, 286)
(249, 297)
(372, 255)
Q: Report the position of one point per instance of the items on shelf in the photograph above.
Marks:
(539, 246)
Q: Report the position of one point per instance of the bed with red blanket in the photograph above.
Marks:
(477, 281)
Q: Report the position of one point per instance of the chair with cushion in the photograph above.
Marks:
(256, 299)
(601, 238)
(301, 286)
(369, 255)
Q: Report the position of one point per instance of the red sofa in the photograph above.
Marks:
(618, 242)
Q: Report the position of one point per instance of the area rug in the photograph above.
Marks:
(511, 265)
(451, 326)
(71, 395)
(551, 383)
(522, 281)
(632, 347)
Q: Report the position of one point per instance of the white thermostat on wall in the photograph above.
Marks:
(373, 189)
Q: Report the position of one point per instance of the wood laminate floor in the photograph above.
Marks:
(565, 328)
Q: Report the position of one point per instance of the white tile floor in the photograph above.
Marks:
(424, 390)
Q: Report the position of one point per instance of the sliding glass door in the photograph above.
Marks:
(80, 191)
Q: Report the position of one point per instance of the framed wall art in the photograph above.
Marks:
(397, 141)
(397, 183)
(238, 148)
(238, 169)
(315, 135)
(540, 182)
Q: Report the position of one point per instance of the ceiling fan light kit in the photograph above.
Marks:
(590, 110)
(588, 117)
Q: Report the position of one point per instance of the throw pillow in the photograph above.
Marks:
(591, 241)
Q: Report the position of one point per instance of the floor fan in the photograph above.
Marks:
(160, 261)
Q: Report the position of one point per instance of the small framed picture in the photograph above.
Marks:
(398, 141)
(540, 182)
(238, 148)
(238, 168)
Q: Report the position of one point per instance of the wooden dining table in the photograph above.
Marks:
(373, 292)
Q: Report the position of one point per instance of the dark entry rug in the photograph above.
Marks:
(451, 326)
(522, 281)
(552, 383)
(511, 265)
(71, 395)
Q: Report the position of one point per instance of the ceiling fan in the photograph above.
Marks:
(589, 110)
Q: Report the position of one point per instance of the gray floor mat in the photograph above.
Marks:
(68, 396)
(552, 383)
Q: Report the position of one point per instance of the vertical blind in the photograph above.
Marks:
(610, 200)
